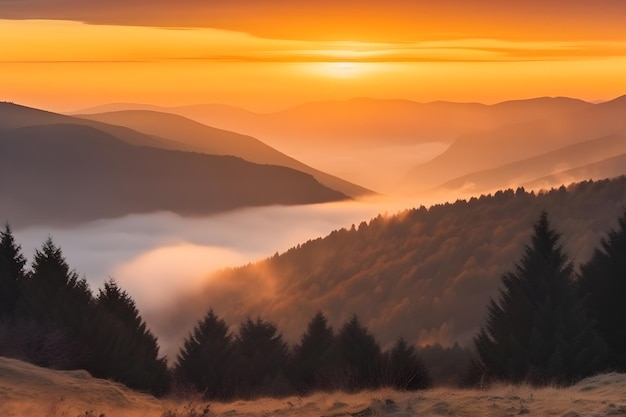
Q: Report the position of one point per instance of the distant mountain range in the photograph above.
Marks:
(187, 134)
(532, 150)
(57, 169)
(415, 147)
(561, 166)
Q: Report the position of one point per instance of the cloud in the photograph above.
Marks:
(349, 19)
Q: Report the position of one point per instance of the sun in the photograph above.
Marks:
(343, 69)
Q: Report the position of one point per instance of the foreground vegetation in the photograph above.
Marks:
(74, 394)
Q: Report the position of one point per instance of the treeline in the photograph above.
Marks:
(49, 317)
(258, 362)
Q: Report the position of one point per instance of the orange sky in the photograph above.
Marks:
(66, 54)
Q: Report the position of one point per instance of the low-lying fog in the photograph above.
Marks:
(159, 257)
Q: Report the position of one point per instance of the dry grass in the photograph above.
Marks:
(26, 390)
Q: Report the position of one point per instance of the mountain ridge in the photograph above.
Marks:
(104, 177)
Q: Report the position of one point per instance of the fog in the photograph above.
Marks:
(161, 257)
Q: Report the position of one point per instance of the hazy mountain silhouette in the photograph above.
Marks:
(68, 173)
(348, 138)
(607, 168)
(13, 116)
(515, 142)
(201, 138)
(580, 161)
(366, 121)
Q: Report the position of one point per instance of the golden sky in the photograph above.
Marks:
(66, 54)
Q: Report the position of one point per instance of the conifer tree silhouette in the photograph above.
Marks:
(262, 358)
(603, 283)
(359, 356)
(314, 357)
(11, 273)
(121, 346)
(56, 306)
(205, 360)
(404, 370)
(538, 330)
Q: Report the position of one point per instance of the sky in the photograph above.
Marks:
(64, 55)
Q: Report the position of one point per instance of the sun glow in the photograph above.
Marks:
(341, 69)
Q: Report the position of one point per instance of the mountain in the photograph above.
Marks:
(424, 274)
(13, 116)
(607, 168)
(516, 142)
(201, 138)
(562, 166)
(69, 173)
(355, 138)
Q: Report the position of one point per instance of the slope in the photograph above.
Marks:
(519, 141)
(67, 174)
(27, 390)
(425, 274)
(13, 116)
(610, 167)
(544, 166)
(209, 140)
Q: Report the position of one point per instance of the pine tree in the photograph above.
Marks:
(603, 283)
(121, 346)
(55, 307)
(262, 358)
(314, 357)
(404, 370)
(359, 356)
(11, 273)
(205, 359)
(538, 330)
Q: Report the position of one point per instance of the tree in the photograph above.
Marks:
(603, 283)
(538, 330)
(404, 370)
(314, 357)
(55, 305)
(11, 273)
(205, 359)
(121, 346)
(359, 356)
(262, 358)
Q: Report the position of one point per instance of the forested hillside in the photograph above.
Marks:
(424, 274)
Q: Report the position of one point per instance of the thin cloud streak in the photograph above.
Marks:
(85, 43)
(349, 19)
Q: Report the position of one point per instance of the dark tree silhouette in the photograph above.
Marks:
(205, 360)
(403, 369)
(262, 358)
(122, 348)
(538, 330)
(359, 357)
(314, 357)
(603, 283)
(447, 366)
(55, 306)
(11, 273)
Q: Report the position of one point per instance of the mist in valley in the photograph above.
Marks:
(162, 258)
